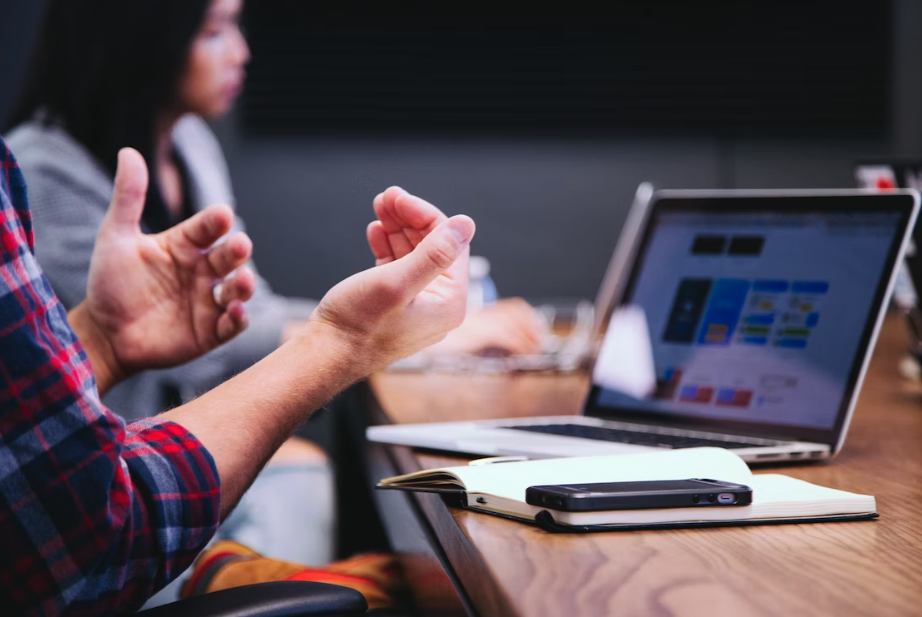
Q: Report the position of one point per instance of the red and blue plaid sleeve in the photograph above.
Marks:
(95, 516)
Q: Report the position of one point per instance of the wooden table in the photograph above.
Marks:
(462, 562)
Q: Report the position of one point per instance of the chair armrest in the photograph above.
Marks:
(281, 599)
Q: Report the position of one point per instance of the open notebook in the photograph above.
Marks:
(500, 489)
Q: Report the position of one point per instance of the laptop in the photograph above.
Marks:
(748, 320)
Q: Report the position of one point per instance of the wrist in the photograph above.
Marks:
(343, 352)
(106, 366)
(292, 330)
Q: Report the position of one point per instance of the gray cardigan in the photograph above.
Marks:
(69, 192)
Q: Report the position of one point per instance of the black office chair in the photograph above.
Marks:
(281, 599)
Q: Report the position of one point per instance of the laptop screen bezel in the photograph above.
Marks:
(846, 202)
(899, 167)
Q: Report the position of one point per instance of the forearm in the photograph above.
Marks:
(244, 421)
(98, 350)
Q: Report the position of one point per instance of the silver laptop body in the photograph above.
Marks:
(737, 319)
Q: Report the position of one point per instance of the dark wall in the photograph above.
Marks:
(548, 210)
(19, 20)
(660, 67)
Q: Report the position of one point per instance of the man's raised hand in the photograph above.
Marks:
(415, 295)
(152, 298)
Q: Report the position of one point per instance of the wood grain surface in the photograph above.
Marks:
(860, 568)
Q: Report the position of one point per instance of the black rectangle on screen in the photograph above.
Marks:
(709, 245)
(746, 246)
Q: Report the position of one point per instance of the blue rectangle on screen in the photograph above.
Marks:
(725, 395)
(760, 320)
(773, 287)
(810, 287)
(792, 343)
(688, 392)
(755, 340)
(813, 319)
(728, 297)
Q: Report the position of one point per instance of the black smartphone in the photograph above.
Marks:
(691, 493)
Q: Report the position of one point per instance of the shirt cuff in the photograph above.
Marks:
(184, 491)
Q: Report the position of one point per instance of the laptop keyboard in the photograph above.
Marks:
(638, 438)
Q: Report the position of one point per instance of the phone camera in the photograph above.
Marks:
(712, 498)
(726, 498)
(696, 498)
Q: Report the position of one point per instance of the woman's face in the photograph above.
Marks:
(214, 74)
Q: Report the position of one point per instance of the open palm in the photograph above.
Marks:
(153, 296)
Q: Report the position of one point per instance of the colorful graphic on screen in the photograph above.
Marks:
(757, 317)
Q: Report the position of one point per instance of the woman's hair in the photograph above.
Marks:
(105, 70)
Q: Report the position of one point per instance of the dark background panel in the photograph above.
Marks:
(719, 67)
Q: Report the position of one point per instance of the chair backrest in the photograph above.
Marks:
(280, 599)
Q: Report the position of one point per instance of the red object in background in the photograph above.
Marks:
(741, 398)
(886, 184)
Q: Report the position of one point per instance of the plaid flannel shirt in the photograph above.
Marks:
(95, 516)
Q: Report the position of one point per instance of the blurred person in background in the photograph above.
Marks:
(109, 74)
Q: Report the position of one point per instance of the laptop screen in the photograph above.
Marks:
(757, 313)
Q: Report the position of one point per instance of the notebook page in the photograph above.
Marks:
(781, 496)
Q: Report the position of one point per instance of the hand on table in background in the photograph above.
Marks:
(414, 296)
(510, 326)
(150, 298)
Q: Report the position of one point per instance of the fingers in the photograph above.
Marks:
(232, 321)
(406, 219)
(230, 255)
(130, 193)
(235, 290)
(511, 325)
(524, 340)
(204, 229)
(241, 286)
(437, 254)
(386, 212)
(527, 325)
(514, 342)
(417, 213)
(520, 314)
(380, 245)
(398, 243)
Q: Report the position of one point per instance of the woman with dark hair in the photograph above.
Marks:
(109, 74)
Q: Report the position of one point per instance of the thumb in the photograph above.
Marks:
(437, 254)
(130, 192)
